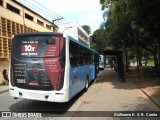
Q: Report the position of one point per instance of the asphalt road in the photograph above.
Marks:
(47, 109)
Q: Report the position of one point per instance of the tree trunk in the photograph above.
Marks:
(158, 52)
(156, 64)
(140, 57)
(126, 57)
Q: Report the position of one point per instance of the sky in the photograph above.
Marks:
(85, 12)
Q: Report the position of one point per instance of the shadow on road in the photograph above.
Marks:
(44, 107)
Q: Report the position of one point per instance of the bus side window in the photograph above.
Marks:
(71, 59)
(75, 54)
(71, 53)
(88, 57)
(84, 56)
(74, 57)
(81, 57)
(93, 61)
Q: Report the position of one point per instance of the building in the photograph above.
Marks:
(15, 18)
(74, 30)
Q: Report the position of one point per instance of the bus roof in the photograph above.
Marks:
(82, 44)
(55, 34)
(39, 33)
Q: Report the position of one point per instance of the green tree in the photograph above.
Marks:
(87, 29)
(99, 41)
(118, 25)
(146, 14)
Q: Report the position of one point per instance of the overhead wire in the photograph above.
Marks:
(37, 9)
(47, 9)
(68, 25)
(63, 23)
(48, 13)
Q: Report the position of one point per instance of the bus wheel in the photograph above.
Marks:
(87, 83)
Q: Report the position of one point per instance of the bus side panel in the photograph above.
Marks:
(80, 60)
(78, 77)
(74, 81)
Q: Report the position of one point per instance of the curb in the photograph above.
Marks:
(148, 96)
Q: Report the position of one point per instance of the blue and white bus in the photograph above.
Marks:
(102, 62)
(49, 67)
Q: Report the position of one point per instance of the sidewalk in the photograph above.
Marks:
(3, 88)
(109, 94)
(149, 86)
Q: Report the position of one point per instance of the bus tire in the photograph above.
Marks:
(87, 83)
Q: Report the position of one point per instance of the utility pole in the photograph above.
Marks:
(53, 24)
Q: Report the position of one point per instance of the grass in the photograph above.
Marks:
(150, 61)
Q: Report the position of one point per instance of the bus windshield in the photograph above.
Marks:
(35, 46)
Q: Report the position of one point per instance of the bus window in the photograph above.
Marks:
(74, 54)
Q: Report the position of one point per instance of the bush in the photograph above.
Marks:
(148, 71)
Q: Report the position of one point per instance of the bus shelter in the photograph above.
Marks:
(119, 61)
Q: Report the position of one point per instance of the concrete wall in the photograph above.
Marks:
(19, 18)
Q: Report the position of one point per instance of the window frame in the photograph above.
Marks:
(12, 8)
(29, 17)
